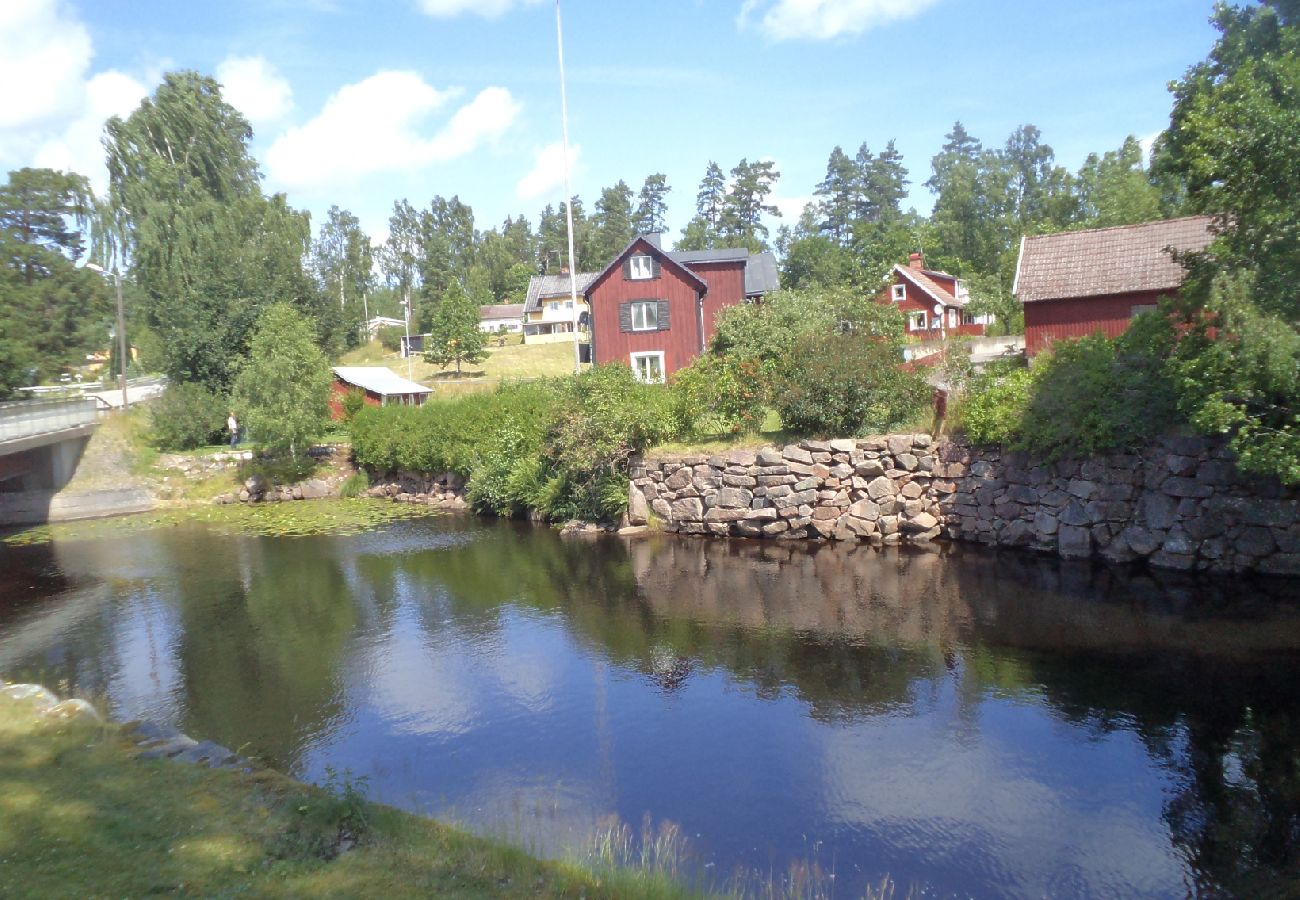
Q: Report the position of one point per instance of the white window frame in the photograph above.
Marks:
(898, 293)
(917, 320)
(640, 267)
(969, 318)
(953, 318)
(643, 305)
(658, 356)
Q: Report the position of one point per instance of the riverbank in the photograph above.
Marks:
(82, 814)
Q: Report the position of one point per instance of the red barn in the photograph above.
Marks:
(380, 386)
(656, 310)
(933, 302)
(1076, 283)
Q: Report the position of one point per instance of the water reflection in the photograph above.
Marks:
(988, 725)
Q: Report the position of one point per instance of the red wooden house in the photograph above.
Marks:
(380, 387)
(1076, 283)
(933, 302)
(656, 310)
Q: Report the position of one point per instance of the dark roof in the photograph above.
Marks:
(1105, 261)
(645, 241)
(501, 311)
(541, 287)
(760, 274)
(725, 254)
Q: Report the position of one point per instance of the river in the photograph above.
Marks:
(967, 723)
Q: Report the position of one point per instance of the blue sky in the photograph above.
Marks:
(360, 103)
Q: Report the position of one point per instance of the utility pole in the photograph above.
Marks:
(568, 194)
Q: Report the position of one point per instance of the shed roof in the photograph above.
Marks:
(1104, 261)
(498, 311)
(541, 287)
(378, 380)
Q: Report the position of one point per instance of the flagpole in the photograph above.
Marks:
(568, 193)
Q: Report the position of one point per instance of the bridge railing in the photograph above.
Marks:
(26, 418)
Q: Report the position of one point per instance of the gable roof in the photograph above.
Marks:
(544, 287)
(1102, 261)
(932, 288)
(760, 274)
(651, 250)
(497, 311)
(378, 380)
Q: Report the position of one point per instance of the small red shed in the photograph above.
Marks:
(381, 387)
(1077, 283)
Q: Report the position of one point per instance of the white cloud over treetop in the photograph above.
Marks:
(254, 87)
(821, 20)
(374, 126)
(489, 9)
(44, 54)
(547, 173)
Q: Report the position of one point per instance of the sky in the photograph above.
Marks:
(362, 103)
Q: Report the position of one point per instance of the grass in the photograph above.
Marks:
(514, 361)
(769, 432)
(80, 816)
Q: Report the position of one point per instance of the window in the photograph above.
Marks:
(568, 304)
(916, 321)
(640, 268)
(968, 318)
(648, 367)
(645, 315)
(952, 318)
(1143, 308)
(554, 306)
(898, 293)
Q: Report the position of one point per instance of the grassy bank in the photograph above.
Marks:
(81, 817)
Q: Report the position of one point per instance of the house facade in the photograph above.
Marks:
(933, 303)
(499, 317)
(380, 387)
(656, 310)
(1078, 283)
(548, 313)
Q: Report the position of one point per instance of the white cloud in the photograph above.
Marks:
(374, 126)
(44, 55)
(547, 173)
(791, 208)
(820, 20)
(77, 148)
(1148, 144)
(489, 9)
(254, 87)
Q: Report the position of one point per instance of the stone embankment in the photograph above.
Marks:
(1180, 503)
(446, 490)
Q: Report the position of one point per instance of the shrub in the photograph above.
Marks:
(390, 338)
(718, 395)
(354, 485)
(846, 384)
(353, 400)
(187, 415)
(993, 409)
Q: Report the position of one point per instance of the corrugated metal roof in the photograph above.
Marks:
(722, 254)
(379, 380)
(761, 275)
(501, 311)
(1104, 261)
(546, 286)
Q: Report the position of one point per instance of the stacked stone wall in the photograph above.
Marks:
(1180, 503)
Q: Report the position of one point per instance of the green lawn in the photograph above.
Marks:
(513, 361)
(81, 817)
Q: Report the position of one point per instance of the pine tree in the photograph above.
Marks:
(652, 206)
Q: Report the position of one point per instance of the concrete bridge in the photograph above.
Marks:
(41, 442)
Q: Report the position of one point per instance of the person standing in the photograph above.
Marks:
(232, 425)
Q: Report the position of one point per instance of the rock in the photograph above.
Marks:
(1081, 489)
(1142, 541)
(870, 468)
(145, 732)
(1074, 542)
(638, 510)
(1255, 541)
(770, 456)
(734, 498)
(887, 525)
(739, 481)
(719, 514)
(881, 487)
(919, 522)
(865, 509)
(73, 711)
(843, 446)
(687, 509)
(906, 461)
(37, 696)
(742, 457)
(1159, 510)
(1185, 487)
(315, 489)
(1045, 524)
(795, 453)
(169, 748)
(678, 480)
(899, 443)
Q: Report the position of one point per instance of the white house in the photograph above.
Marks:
(501, 317)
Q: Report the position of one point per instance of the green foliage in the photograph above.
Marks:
(187, 416)
(282, 394)
(718, 394)
(994, 407)
(390, 338)
(847, 384)
(354, 485)
(454, 335)
(352, 403)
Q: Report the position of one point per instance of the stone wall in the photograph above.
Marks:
(1180, 503)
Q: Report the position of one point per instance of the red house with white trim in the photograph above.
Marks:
(933, 302)
(656, 310)
(1076, 283)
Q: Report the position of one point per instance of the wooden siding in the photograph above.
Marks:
(1054, 320)
(680, 343)
(918, 300)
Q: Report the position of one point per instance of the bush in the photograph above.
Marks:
(390, 337)
(846, 384)
(354, 485)
(187, 415)
(993, 409)
(718, 395)
(353, 401)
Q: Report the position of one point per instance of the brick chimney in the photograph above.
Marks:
(916, 261)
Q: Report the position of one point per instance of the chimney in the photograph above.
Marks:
(916, 260)
(655, 239)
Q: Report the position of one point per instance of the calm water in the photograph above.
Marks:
(971, 724)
